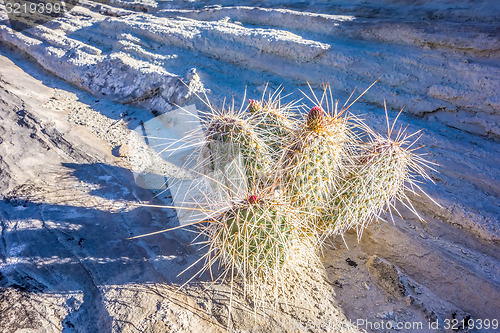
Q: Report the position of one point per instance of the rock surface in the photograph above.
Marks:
(437, 61)
(72, 90)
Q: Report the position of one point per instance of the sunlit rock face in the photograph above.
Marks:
(73, 90)
(437, 60)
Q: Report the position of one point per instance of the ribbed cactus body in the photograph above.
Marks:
(370, 188)
(255, 236)
(273, 124)
(313, 160)
(232, 138)
(265, 243)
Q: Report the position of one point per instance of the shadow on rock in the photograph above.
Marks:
(68, 249)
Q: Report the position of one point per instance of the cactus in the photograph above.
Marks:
(314, 158)
(273, 122)
(261, 239)
(255, 234)
(384, 171)
(229, 136)
(324, 182)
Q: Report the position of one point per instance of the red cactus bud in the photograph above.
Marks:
(253, 106)
(315, 118)
(253, 199)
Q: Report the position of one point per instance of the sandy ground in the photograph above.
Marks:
(72, 92)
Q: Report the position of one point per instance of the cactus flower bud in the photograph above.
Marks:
(315, 119)
(253, 199)
(253, 106)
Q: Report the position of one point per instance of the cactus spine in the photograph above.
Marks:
(323, 182)
(384, 171)
(230, 136)
(262, 240)
(313, 159)
(273, 123)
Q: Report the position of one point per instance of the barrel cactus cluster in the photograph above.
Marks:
(310, 172)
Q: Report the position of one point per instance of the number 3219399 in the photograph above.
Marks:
(32, 8)
(486, 324)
